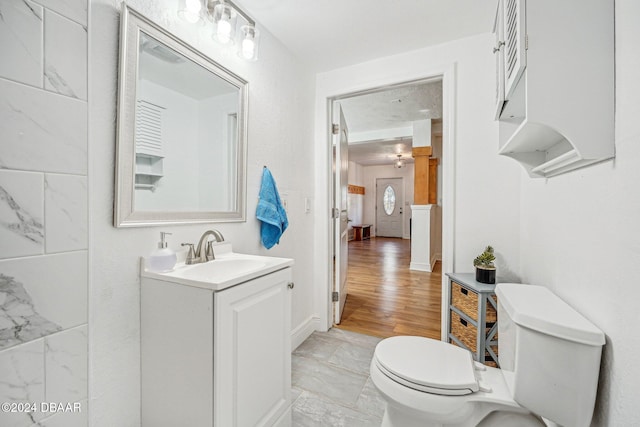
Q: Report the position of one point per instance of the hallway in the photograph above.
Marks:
(384, 297)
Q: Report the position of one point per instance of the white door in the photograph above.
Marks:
(389, 204)
(341, 176)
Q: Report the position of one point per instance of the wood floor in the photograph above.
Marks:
(384, 297)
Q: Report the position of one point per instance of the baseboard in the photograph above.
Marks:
(303, 331)
(434, 259)
(420, 266)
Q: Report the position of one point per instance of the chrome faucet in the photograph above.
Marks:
(204, 254)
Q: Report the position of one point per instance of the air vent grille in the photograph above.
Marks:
(149, 128)
(512, 37)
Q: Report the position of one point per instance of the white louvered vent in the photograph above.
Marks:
(149, 128)
(514, 53)
(512, 36)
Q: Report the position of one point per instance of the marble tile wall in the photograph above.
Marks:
(43, 212)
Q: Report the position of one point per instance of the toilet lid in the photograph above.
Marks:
(427, 365)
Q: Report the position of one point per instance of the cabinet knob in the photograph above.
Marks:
(498, 46)
(290, 285)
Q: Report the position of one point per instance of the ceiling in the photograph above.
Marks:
(381, 152)
(381, 123)
(168, 68)
(329, 34)
(393, 108)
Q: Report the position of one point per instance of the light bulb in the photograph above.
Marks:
(248, 48)
(223, 32)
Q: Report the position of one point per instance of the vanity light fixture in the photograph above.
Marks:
(399, 162)
(223, 15)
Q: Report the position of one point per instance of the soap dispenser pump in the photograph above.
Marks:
(163, 259)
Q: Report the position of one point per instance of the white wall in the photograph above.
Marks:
(216, 158)
(421, 133)
(370, 174)
(355, 174)
(478, 170)
(355, 202)
(174, 190)
(580, 237)
(280, 136)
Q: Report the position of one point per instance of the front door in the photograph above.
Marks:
(389, 204)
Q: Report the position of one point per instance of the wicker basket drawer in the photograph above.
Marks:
(466, 333)
(466, 301)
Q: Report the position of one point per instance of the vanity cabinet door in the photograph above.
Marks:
(252, 347)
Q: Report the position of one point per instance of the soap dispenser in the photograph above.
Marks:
(163, 259)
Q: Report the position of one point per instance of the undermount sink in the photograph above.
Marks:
(228, 269)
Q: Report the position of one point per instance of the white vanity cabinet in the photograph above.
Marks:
(216, 358)
(555, 83)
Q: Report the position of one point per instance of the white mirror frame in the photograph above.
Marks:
(132, 23)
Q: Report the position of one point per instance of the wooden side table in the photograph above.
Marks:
(473, 317)
(362, 232)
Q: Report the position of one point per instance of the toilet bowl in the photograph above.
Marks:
(549, 359)
(432, 383)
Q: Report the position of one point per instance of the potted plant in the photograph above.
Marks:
(485, 270)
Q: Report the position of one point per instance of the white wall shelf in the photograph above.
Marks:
(558, 111)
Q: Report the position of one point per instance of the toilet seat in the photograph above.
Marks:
(427, 365)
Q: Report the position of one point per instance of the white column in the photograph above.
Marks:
(421, 238)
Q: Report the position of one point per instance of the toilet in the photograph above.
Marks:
(549, 364)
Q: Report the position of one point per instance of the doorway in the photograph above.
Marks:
(340, 87)
(387, 209)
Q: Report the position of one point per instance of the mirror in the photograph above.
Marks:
(181, 132)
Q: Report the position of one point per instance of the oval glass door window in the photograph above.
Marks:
(389, 200)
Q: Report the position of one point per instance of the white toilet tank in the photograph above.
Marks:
(549, 354)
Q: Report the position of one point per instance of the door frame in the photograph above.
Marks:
(403, 207)
(326, 93)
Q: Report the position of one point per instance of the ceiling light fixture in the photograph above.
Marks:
(223, 15)
(399, 162)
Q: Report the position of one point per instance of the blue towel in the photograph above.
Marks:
(270, 211)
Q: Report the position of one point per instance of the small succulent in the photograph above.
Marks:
(485, 259)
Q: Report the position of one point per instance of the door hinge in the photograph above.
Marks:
(526, 42)
(335, 213)
(335, 297)
(335, 129)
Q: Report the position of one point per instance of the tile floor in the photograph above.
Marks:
(330, 381)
